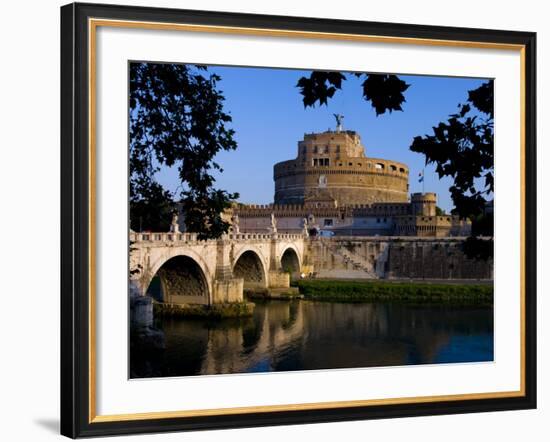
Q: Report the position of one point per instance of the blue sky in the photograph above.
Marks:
(269, 119)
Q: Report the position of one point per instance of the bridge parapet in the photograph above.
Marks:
(163, 237)
(263, 236)
(193, 237)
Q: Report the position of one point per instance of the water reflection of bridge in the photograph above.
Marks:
(287, 336)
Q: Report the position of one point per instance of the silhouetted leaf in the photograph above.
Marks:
(385, 92)
(320, 86)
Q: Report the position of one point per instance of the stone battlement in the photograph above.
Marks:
(285, 210)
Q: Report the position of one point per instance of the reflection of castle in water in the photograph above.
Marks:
(305, 335)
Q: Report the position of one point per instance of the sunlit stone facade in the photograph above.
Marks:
(334, 164)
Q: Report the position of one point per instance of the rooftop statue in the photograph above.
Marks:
(339, 120)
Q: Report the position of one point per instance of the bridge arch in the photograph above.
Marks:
(183, 278)
(290, 261)
(250, 266)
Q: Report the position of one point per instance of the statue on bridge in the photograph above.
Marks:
(174, 226)
(273, 226)
(305, 228)
(235, 224)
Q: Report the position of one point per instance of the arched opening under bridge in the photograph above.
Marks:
(290, 263)
(249, 267)
(180, 280)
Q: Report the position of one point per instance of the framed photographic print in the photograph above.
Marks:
(275, 220)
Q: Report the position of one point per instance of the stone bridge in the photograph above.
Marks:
(180, 269)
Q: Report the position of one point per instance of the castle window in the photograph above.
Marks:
(393, 168)
(328, 222)
(379, 166)
(385, 220)
(401, 170)
(321, 162)
(359, 164)
(337, 148)
(326, 148)
(340, 164)
(315, 149)
(304, 150)
(351, 164)
(378, 220)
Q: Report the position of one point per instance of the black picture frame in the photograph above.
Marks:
(76, 418)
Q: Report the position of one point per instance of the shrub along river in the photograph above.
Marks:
(309, 334)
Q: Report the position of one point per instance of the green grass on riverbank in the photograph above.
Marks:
(383, 291)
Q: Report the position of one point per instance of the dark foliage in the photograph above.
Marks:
(462, 148)
(482, 225)
(478, 248)
(177, 119)
(385, 92)
(150, 204)
(320, 86)
(482, 98)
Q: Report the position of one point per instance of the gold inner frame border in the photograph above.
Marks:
(93, 24)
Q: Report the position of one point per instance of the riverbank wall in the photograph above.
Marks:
(395, 258)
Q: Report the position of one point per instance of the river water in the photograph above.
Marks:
(307, 335)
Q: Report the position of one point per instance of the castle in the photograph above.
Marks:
(333, 187)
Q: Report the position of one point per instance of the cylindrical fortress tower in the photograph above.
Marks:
(334, 163)
(423, 203)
